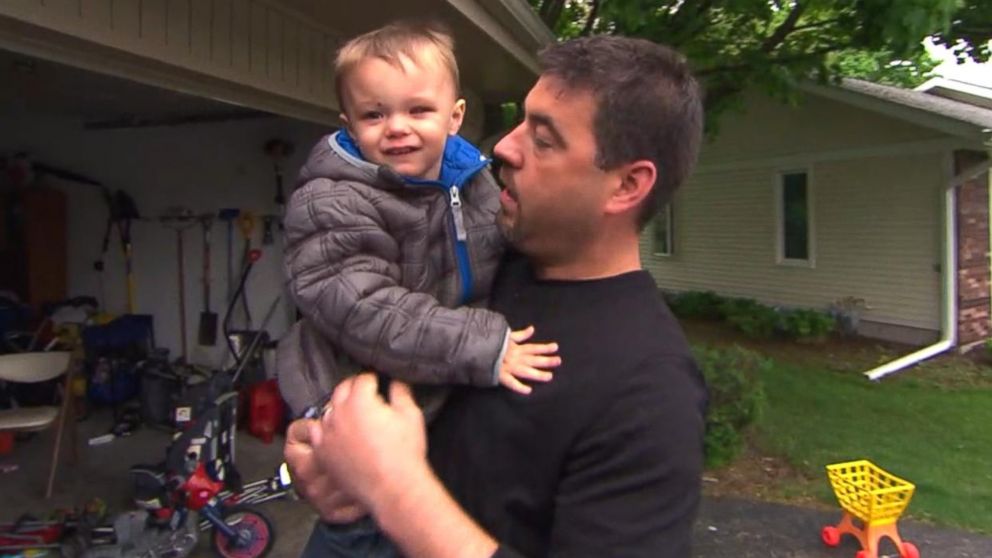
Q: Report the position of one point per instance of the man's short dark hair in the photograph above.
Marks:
(648, 106)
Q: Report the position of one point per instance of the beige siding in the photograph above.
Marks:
(768, 128)
(876, 236)
(247, 42)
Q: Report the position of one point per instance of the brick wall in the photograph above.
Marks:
(974, 304)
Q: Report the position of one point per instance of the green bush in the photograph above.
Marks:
(737, 398)
(750, 317)
(807, 324)
(696, 304)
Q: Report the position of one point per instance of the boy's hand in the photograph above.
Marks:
(527, 361)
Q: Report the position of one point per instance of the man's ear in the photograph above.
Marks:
(457, 116)
(634, 184)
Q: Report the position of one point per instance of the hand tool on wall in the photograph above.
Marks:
(246, 223)
(180, 219)
(229, 215)
(207, 331)
(246, 355)
(121, 212)
(268, 223)
(277, 150)
(252, 256)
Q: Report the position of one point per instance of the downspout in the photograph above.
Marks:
(949, 286)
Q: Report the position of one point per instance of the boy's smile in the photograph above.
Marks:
(402, 116)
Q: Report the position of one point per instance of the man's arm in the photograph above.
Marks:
(376, 453)
(630, 487)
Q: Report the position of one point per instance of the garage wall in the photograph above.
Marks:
(203, 167)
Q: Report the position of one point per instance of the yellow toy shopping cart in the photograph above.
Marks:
(874, 498)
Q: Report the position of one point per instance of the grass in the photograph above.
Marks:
(939, 439)
(931, 425)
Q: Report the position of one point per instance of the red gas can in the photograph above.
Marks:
(265, 410)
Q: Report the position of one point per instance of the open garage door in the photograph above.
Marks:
(265, 54)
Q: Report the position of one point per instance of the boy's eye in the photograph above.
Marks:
(421, 110)
(371, 115)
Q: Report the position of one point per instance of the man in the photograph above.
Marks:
(604, 460)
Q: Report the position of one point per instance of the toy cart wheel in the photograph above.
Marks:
(861, 554)
(255, 535)
(909, 551)
(830, 535)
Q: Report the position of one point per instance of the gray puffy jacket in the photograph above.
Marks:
(381, 268)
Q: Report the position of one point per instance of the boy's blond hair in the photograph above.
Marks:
(393, 43)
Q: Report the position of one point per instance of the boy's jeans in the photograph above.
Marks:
(359, 539)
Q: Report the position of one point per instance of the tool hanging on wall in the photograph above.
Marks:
(122, 212)
(251, 257)
(268, 223)
(278, 150)
(207, 331)
(180, 219)
(229, 215)
(246, 223)
(243, 359)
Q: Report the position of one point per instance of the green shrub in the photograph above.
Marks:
(736, 398)
(696, 304)
(750, 317)
(807, 324)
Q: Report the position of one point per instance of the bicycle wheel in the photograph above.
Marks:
(254, 534)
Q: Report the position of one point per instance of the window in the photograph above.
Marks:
(662, 232)
(794, 226)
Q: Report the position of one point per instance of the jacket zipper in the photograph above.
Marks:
(461, 246)
(453, 193)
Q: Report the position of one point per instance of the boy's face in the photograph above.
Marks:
(402, 117)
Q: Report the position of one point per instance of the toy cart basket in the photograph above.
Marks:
(874, 497)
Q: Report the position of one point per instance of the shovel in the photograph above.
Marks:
(207, 333)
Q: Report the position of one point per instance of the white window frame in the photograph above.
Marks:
(670, 218)
(779, 189)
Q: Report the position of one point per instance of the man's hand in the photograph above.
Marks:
(370, 448)
(527, 361)
(376, 452)
(310, 481)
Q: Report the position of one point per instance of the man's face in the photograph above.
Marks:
(402, 117)
(554, 194)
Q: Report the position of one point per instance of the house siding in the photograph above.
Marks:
(768, 128)
(248, 42)
(875, 232)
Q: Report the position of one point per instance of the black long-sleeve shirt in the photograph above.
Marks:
(606, 459)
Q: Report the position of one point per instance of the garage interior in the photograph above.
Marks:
(127, 130)
(92, 164)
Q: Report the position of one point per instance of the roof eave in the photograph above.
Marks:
(970, 131)
(512, 24)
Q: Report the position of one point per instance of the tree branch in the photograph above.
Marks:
(817, 24)
(591, 21)
(550, 12)
(714, 97)
(693, 20)
(783, 30)
(705, 72)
